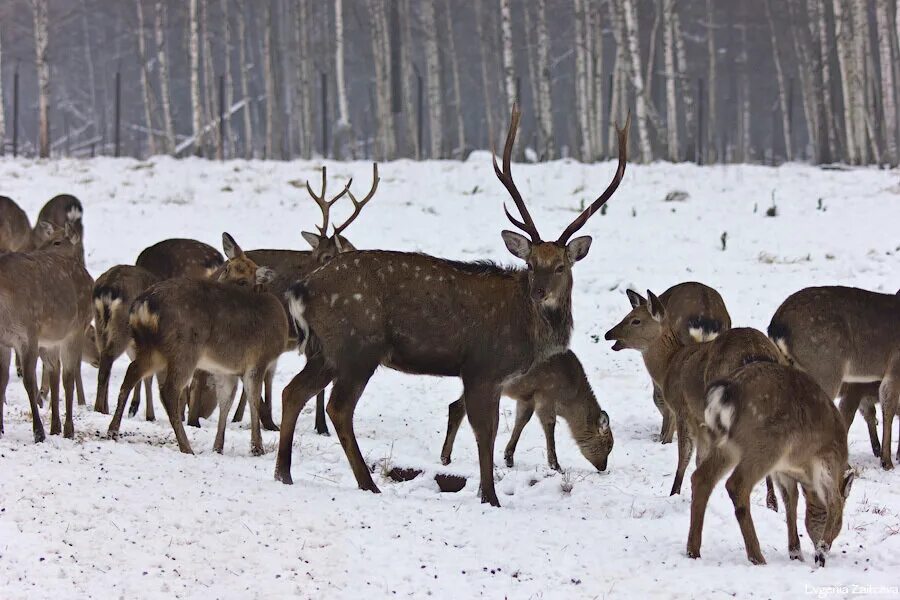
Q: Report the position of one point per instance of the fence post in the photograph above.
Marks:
(118, 115)
(16, 111)
(221, 117)
(699, 158)
(323, 76)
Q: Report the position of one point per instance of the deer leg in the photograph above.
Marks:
(345, 394)
(148, 398)
(771, 500)
(704, 479)
(135, 397)
(867, 409)
(225, 403)
(739, 485)
(139, 368)
(524, 410)
(28, 355)
(265, 408)
(172, 391)
(195, 391)
(50, 367)
(321, 423)
(45, 381)
(482, 401)
(889, 392)
(547, 417)
(239, 411)
(79, 388)
(253, 384)
(456, 412)
(101, 403)
(667, 430)
(685, 448)
(70, 362)
(19, 366)
(306, 384)
(5, 360)
(787, 487)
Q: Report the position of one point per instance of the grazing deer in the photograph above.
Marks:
(292, 265)
(557, 386)
(15, 230)
(682, 372)
(45, 298)
(768, 418)
(114, 292)
(845, 335)
(419, 314)
(233, 329)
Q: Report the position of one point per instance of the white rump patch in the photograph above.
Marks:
(699, 335)
(781, 343)
(74, 214)
(718, 415)
(142, 315)
(297, 308)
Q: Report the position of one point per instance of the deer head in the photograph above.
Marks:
(326, 247)
(550, 263)
(53, 237)
(239, 269)
(640, 327)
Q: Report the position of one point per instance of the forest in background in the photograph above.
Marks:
(705, 80)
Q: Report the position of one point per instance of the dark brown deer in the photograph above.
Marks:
(45, 305)
(227, 327)
(292, 265)
(114, 291)
(682, 372)
(845, 335)
(61, 210)
(419, 314)
(557, 386)
(767, 418)
(15, 229)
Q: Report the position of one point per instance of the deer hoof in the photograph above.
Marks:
(322, 430)
(509, 460)
(39, 436)
(55, 428)
(113, 435)
(270, 426)
(257, 450)
(69, 431)
(555, 466)
(194, 423)
(886, 463)
(445, 460)
(283, 476)
(693, 553)
(796, 554)
(772, 503)
(820, 559)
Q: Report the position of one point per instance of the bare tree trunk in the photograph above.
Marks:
(744, 99)
(887, 83)
(651, 52)
(801, 46)
(509, 67)
(386, 143)
(303, 79)
(162, 59)
(782, 91)
(41, 38)
(671, 98)
(711, 83)
(457, 94)
(844, 40)
(343, 107)
(269, 77)
(245, 86)
(531, 54)
(582, 103)
(2, 112)
(615, 108)
(631, 33)
(822, 80)
(599, 86)
(860, 24)
(687, 94)
(209, 86)
(194, 49)
(89, 62)
(545, 118)
(589, 66)
(149, 104)
(229, 85)
(487, 52)
(410, 91)
(433, 79)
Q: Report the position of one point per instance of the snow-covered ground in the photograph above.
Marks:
(134, 518)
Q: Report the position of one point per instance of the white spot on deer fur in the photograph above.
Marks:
(334, 298)
(143, 316)
(718, 416)
(357, 297)
(428, 278)
(821, 480)
(356, 261)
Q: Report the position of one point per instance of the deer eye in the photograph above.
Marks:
(242, 283)
(635, 321)
(560, 269)
(529, 267)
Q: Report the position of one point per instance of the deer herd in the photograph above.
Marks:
(753, 405)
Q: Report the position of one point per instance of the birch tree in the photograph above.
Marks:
(640, 100)
(582, 104)
(782, 91)
(343, 106)
(616, 101)
(41, 38)
(149, 103)
(687, 94)
(509, 68)
(487, 54)
(2, 112)
(889, 108)
(545, 118)
(807, 82)
(822, 73)
(269, 78)
(457, 92)
(303, 78)
(711, 82)
(386, 143)
(229, 85)
(245, 86)
(194, 50)
(406, 68)
(433, 79)
(163, 60)
(599, 85)
(209, 85)
(847, 66)
(96, 113)
(671, 98)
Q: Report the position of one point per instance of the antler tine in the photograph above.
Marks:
(505, 176)
(358, 205)
(581, 219)
(325, 206)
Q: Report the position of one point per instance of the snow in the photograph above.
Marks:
(134, 518)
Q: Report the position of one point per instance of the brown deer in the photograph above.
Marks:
(61, 210)
(419, 314)
(15, 229)
(682, 372)
(234, 329)
(292, 265)
(845, 335)
(114, 291)
(45, 298)
(557, 386)
(768, 418)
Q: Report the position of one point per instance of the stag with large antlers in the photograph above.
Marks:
(481, 322)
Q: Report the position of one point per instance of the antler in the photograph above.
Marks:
(358, 206)
(505, 176)
(579, 221)
(325, 206)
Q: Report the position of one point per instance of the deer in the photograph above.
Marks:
(113, 293)
(227, 327)
(292, 265)
(682, 372)
(844, 335)
(769, 418)
(60, 210)
(415, 313)
(45, 306)
(557, 386)
(15, 229)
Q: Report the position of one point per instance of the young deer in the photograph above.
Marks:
(45, 305)
(419, 314)
(845, 335)
(557, 386)
(767, 418)
(292, 265)
(114, 291)
(15, 230)
(233, 329)
(682, 372)
(62, 210)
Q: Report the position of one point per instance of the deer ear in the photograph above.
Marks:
(72, 233)
(344, 244)
(655, 305)
(849, 476)
(312, 239)
(603, 422)
(264, 275)
(519, 245)
(232, 250)
(45, 229)
(578, 248)
(635, 298)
